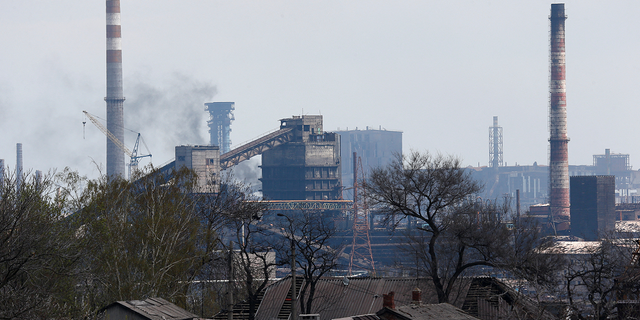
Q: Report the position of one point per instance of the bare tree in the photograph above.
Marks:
(310, 233)
(254, 258)
(592, 274)
(434, 191)
(220, 214)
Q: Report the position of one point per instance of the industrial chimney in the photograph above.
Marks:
(19, 169)
(115, 97)
(558, 140)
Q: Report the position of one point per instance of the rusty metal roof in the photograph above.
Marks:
(334, 299)
(426, 312)
(155, 309)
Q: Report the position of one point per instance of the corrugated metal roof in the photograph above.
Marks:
(156, 309)
(430, 311)
(334, 299)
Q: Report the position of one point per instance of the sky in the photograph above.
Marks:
(436, 70)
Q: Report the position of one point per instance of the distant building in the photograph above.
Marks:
(531, 180)
(204, 161)
(375, 148)
(305, 168)
(592, 206)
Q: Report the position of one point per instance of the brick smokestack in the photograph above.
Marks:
(115, 97)
(558, 139)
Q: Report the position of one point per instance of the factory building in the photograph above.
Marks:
(533, 180)
(592, 206)
(307, 166)
(204, 161)
(375, 148)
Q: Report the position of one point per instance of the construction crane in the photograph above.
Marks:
(135, 158)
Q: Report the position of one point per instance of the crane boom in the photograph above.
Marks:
(109, 134)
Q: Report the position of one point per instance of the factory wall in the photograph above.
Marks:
(375, 148)
(592, 206)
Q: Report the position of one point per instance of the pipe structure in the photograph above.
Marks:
(115, 97)
(558, 140)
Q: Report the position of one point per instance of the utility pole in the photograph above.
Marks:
(294, 296)
(230, 284)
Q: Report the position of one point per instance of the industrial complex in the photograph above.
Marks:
(302, 161)
(304, 166)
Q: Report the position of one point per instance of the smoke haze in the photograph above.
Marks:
(169, 113)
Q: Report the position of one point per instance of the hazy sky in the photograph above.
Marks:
(436, 70)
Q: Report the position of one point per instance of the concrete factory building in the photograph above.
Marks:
(593, 206)
(307, 166)
(204, 161)
(375, 148)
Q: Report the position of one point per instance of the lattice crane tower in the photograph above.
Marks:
(495, 144)
(361, 246)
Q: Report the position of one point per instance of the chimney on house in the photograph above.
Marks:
(387, 300)
(416, 296)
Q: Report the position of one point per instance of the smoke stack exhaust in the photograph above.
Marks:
(115, 96)
(558, 139)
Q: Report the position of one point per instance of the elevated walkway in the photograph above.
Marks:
(255, 147)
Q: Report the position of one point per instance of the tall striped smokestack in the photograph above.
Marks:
(115, 97)
(558, 140)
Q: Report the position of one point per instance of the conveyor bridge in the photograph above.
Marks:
(255, 147)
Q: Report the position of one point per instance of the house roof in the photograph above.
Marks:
(337, 298)
(343, 298)
(489, 296)
(154, 309)
(426, 312)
